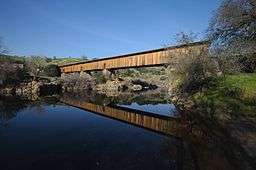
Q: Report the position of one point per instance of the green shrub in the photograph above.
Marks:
(52, 70)
(9, 74)
(248, 63)
(196, 72)
(234, 92)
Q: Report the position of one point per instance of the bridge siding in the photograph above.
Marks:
(151, 58)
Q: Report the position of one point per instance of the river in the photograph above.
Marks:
(129, 132)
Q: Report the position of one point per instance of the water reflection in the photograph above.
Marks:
(204, 144)
(50, 135)
(9, 107)
(156, 122)
(167, 109)
(97, 132)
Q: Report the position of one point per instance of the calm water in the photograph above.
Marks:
(93, 132)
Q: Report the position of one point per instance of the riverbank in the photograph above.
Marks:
(212, 140)
(229, 103)
(32, 89)
(233, 94)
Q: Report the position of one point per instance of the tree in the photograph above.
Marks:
(35, 64)
(233, 27)
(191, 70)
(185, 38)
(52, 70)
(11, 73)
(84, 57)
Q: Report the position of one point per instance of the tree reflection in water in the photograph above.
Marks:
(9, 107)
(193, 143)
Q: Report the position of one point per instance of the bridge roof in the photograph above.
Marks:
(138, 53)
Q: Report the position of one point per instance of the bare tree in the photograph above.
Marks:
(185, 38)
(191, 70)
(35, 64)
(233, 27)
(84, 57)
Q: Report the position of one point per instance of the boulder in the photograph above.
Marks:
(112, 86)
(136, 87)
(120, 85)
(144, 84)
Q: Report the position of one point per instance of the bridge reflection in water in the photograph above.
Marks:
(158, 123)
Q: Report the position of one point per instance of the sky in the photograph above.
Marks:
(98, 28)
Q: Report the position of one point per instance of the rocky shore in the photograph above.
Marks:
(32, 89)
(118, 86)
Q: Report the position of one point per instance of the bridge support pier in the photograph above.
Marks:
(88, 72)
(85, 74)
(62, 75)
(109, 74)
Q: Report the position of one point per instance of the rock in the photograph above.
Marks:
(77, 82)
(145, 85)
(111, 86)
(119, 85)
(7, 91)
(136, 88)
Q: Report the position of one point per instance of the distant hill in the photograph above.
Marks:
(21, 60)
(61, 61)
(12, 59)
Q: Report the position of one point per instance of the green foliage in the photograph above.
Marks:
(193, 71)
(142, 72)
(99, 77)
(35, 64)
(232, 91)
(248, 63)
(12, 59)
(230, 96)
(131, 72)
(52, 70)
(11, 73)
(15, 77)
(62, 61)
(244, 81)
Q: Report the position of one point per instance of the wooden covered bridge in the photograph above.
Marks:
(157, 57)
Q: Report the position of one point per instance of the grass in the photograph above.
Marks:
(230, 96)
(244, 81)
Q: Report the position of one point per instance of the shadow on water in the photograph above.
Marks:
(93, 131)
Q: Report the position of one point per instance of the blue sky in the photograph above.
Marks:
(98, 28)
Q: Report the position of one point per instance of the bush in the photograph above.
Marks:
(228, 64)
(234, 92)
(11, 73)
(75, 82)
(248, 63)
(52, 70)
(194, 71)
(35, 64)
(99, 77)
